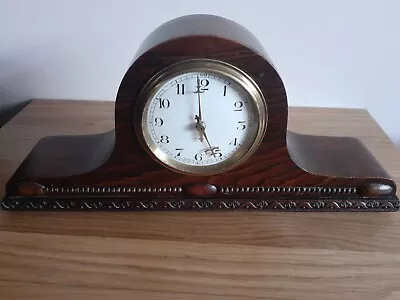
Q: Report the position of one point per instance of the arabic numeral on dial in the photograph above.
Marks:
(180, 89)
(158, 122)
(217, 153)
(241, 125)
(238, 105)
(163, 103)
(164, 139)
(204, 84)
(198, 157)
(179, 150)
(234, 142)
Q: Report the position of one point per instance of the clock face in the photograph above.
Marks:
(202, 117)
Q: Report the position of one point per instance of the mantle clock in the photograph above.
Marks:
(201, 124)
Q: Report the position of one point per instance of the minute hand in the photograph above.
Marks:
(198, 97)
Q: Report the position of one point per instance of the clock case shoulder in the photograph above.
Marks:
(294, 171)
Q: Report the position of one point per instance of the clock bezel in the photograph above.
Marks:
(200, 65)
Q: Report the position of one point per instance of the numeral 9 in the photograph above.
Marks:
(158, 121)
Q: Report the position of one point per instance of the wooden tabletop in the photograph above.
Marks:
(194, 255)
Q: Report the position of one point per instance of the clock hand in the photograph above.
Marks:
(213, 151)
(200, 125)
(198, 96)
(205, 135)
(202, 130)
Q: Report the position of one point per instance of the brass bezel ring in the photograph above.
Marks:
(200, 65)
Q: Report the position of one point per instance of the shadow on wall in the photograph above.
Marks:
(15, 90)
(8, 112)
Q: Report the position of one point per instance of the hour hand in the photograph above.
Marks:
(200, 127)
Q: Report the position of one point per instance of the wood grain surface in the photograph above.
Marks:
(194, 255)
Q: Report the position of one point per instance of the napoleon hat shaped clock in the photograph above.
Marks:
(201, 124)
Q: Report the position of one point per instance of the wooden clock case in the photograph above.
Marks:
(288, 172)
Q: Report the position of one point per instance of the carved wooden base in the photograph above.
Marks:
(128, 204)
(159, 190)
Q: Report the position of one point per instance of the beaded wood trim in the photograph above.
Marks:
(257, 189)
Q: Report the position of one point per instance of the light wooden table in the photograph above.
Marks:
(194, 255)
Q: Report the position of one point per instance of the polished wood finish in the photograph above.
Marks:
(194, 255)
(288, 171)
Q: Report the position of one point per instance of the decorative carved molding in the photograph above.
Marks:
(204, 204)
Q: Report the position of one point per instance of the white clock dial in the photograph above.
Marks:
(200, 121)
